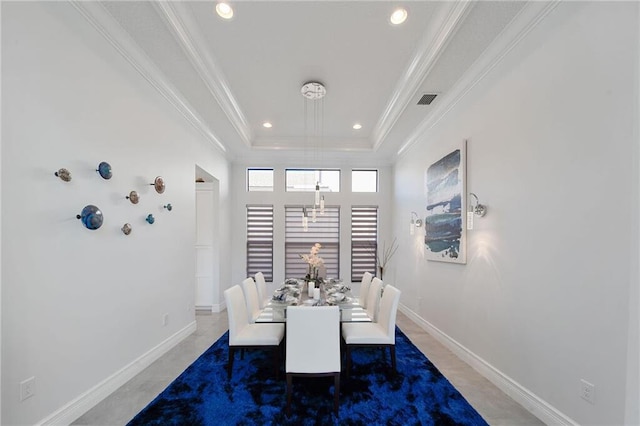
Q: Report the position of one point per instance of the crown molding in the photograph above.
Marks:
(313, 144)
(525, 21)
(185, 30)
(106, 25)
(428, 52)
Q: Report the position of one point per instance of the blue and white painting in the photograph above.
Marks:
(444, 230)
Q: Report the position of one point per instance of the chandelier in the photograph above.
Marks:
(314, 92)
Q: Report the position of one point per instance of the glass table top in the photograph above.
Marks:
(296, 293)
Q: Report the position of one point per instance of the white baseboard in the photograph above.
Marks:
(535, 405)
(79, 406)
(220, 307)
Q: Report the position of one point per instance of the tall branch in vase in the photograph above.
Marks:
(384, 254)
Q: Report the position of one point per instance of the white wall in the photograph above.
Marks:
(544, 296)
(78, 305)
(279, 198)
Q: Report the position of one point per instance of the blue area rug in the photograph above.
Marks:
(417, 394)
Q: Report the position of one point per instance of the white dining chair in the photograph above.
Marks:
(261, 285)
(373, 298)
(313, 346)
(251, 297)
(365, 283)
(243, 335)
(378, 334)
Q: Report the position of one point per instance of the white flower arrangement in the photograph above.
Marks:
(312, 258)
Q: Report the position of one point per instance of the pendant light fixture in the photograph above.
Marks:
(314, 92)
(305, 220)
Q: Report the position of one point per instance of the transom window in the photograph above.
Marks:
(260, 179)
(364, 181)
(304, 180)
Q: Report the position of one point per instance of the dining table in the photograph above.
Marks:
(295, 292)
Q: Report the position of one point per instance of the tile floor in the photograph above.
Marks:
(121, 406)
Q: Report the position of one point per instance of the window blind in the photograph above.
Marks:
(325, 230)
(260, 241)
(364, 240)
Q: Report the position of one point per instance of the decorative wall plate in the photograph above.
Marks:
(158, 184)
(91, 217)
(64, 174)
(104, 169)
(126, 229)
(133, 197)
(168, 207)
(150, 219)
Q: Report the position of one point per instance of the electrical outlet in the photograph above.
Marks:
(165, 319)
(587, 391)
(27, 388)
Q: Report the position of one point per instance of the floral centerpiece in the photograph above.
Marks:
(313, 260)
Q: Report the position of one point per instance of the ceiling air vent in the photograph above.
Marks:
(426, 99)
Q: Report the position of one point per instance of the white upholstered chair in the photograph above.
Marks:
(381, 334)
(251, 297)
(261, 285)
(373, 298)
(313, 346)
(243, 335)
(364, 288)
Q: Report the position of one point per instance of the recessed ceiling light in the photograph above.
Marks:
(398, 16)
(357, 126)
(224, 10)
(267, 125)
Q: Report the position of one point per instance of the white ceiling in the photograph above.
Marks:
(233, 75)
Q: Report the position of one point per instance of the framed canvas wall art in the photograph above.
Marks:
(445, 185)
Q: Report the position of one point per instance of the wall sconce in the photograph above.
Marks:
(477, 209)
(416, 222)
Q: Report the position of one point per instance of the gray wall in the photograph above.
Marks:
(549, 294)
(83, 307)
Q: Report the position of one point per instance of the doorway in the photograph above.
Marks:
(207, 249)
